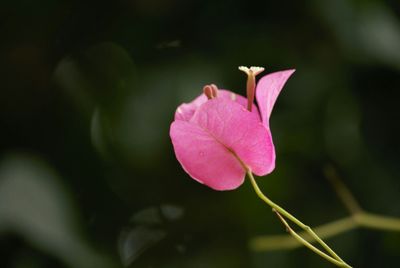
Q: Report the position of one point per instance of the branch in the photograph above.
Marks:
(282, 213)
(280, 242)
(358, 218)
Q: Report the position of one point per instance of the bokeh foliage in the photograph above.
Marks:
(88, 177)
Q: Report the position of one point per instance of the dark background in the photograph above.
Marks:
(88, 89)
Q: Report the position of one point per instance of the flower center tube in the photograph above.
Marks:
(251, 83)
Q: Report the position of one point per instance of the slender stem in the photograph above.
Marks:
(278, 242)
(289, 216)
(308, 244)
(342, 191)
(373, 221)
(358, 218)
(362, 219)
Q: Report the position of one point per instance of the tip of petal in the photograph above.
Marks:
(268, 89)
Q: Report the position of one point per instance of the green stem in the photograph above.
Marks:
(279, 242)
(308, 244)
(358, 218)
(306, 228)
(373, 221)
(342, 191)
(361, 219)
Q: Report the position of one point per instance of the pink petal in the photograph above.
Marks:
(267, 91)
(240, 131)
(204, 158)
(220, 132)
(186, 110)
(229, 95)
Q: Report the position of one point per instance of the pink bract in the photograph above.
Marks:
(216, 140)
(267, 91)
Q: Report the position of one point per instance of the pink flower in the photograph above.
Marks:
(220, 135)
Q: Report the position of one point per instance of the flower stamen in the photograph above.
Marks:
(211, 91)
(251, 82)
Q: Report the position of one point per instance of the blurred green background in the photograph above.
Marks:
(88, 89)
